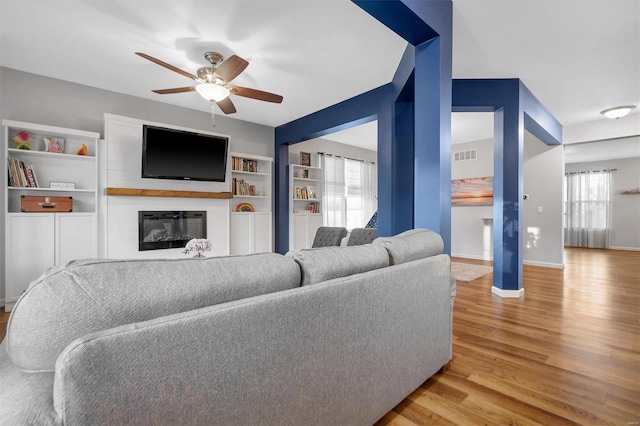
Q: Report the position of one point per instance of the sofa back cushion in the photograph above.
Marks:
(90, 295)
(411, 245)
(325, 263)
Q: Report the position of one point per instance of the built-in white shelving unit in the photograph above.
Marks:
(36, 241)
(305, 204)
(251, 186)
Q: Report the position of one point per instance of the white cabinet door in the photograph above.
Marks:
(250, 233)
(29, 251)
(315, 222)
(303, 230)
(299, 238)
(75, 237)
(241, 233)
(262, 233)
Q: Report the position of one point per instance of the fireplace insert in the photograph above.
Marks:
(159, 230)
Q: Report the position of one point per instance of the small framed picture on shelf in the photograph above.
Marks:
(303, 173)
(62, 185)
(305, 159)
(52, 144)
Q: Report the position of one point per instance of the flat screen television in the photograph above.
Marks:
(180, 155)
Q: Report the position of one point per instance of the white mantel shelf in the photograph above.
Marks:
(140, 192)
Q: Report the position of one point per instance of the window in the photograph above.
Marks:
(350, 187)
(586, 208)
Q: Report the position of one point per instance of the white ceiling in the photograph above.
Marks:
(602, 150)
(577, 56)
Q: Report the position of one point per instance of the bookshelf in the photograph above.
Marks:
(305, 204)
(251, 188)
(49, 238)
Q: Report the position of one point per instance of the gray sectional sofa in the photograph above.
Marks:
(335, 335)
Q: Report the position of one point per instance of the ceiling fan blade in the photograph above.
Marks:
(226, 106)
(231, 68)
(255, 94)
(168, 66)
(174, 90)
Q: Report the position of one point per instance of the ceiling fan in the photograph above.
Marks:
(213, 81)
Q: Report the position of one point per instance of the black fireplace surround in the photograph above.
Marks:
(159, 230)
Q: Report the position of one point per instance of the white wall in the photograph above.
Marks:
(36, 99)
(625, 209)
(542, 210)
(118, 219)
(470, 236)
(314, 146)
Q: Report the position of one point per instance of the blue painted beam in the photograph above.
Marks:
(427, 26)
(400, 19)
(515, 109)
(358, 110)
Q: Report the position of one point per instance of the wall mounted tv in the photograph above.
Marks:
(181, 155)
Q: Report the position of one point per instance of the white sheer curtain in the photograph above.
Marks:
(334, 199)
(587, 209)
(350, 188)
(369, 190)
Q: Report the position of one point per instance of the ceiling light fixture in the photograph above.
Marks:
(212, 92)
(618, 112)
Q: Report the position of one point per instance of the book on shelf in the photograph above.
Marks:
(311, 192)
(245, 165)
(20, 174)
(240, 187)
(301, 193)
(313, 208)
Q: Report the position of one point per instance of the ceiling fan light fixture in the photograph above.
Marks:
(212, 92)
(618, 112)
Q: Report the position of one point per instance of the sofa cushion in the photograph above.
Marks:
(325, 263)
(90, 295)
(25, 398)
(411, 245)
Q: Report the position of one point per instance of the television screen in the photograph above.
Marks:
(181, 155)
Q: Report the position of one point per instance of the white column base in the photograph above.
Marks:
(511, 294)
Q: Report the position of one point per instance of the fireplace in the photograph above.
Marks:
(159, 230)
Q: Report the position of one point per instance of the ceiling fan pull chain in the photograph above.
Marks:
(213, 114)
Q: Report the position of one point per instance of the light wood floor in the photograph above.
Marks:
(4, 318)
(567, 353)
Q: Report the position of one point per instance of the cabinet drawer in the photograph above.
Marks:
(45, 203)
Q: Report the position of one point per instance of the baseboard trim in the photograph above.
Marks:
(471, 256)
(507, 294)
(544, 264)
(624, 248)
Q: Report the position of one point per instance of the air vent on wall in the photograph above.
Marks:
(471, 154)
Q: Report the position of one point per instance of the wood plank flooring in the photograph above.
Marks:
(568, 353)
(4, 318)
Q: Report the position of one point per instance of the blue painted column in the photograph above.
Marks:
(507, 205)
(427, 25)
(515, 109)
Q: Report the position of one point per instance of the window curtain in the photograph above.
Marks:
(369, 191)
(334, 190)
(587, 209)
(349, 191)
